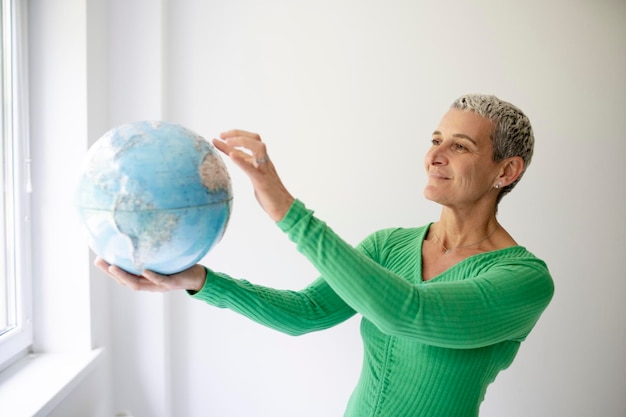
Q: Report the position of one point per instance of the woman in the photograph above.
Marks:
(445, 306)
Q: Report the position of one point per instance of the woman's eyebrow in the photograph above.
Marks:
(464, 136)
(457, 135)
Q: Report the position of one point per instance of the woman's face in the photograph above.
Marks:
(460, 167)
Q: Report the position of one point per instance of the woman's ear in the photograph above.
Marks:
(511, 169)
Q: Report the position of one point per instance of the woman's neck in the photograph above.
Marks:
(461, 229)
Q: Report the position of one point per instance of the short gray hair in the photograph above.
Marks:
(512, 133)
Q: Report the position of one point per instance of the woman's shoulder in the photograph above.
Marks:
(513, 252)
(399, 233)
(513, 259)
(393, 239)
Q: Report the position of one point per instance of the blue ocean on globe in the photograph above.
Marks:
(153, 195)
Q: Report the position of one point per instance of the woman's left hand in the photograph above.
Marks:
(249, 153)
(190, 279)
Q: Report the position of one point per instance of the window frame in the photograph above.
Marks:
(16, 342)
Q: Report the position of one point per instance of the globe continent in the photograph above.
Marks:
(153, 195)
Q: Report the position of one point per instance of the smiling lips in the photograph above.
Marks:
(437, 175)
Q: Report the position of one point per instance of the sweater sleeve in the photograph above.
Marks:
(316, 307)
(501, 303)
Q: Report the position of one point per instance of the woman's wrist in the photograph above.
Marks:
(198, 279)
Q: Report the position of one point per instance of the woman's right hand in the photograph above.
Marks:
(191, 279)
(248, 152)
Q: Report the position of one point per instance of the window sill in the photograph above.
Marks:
(34, 385)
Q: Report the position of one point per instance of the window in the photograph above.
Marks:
(15, 294)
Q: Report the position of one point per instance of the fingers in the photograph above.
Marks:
(248, 151)
(245, 148)
(192, 278)
(238, 133)
(132, 281)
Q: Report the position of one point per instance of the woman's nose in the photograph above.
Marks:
(436, 156)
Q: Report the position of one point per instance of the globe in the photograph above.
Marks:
(153, 195)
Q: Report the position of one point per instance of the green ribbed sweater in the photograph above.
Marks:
(431, 348)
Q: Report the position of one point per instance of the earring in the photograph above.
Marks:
(498, 185)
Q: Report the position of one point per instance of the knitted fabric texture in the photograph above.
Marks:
(431, 348)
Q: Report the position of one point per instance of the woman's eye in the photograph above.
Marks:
(459, 147)
(435, 141)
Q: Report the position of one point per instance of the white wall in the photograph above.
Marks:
(346, 95)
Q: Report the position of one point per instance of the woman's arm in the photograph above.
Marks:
(497, 305)
(501, 303)
(314, 308)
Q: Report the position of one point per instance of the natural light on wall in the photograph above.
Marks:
(15, 295)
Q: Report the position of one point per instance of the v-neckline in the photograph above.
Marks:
(456, 265)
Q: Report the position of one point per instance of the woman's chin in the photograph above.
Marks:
(430, 193)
